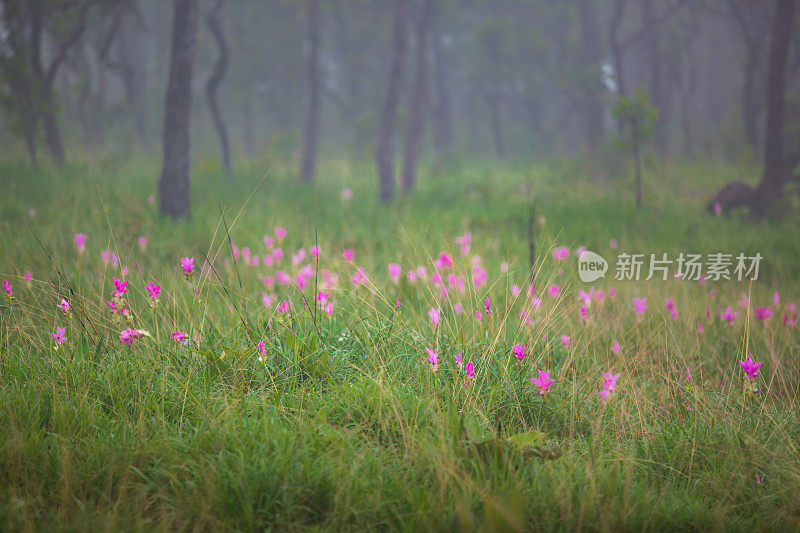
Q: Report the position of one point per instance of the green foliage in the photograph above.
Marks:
(638, 118)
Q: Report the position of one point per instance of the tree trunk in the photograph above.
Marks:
(248, 128)
(419, 99)
(657, 85)
(442, 113)
(592, 85)
(311, 127)
(775, 168)
(750, 100)
(493, 97)
(52, 135)
(496, 122)
(220, 68)
(174, 181)
(384, 151)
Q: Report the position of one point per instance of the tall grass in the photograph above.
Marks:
(341, 423)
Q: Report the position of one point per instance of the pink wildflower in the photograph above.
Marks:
(433, 359)
(519, 351)
(543, 382)
(434, 315)
(60, 335)
(750, 367)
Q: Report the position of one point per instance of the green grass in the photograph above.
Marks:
(343, 425)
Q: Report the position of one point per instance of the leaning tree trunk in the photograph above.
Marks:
(419, 100)
(174, 182)
(775, 168)
(384, 152)
(311, 127)
(220, 68)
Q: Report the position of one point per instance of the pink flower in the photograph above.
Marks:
(610, 378)
(349, 254)
(80, 242)
(153, 291)
(60, 335)
(487, 305)
(180, 336)
(700, 327)
(464, 241)
(611, 292)
(457, 357)
(554, 290)
(612, 243)
(269, 242)
(64, 305)
(277, 254)
(142, 242)
(565, 340)
(128, 335)
(8, 288)
(515, 290)
(328, 308)
(776, 298)
(504, 266)
(729, 316)
(458, 308)
(519, 351)
(262, 350)
(27, 277)
(579, 252)
(478, 315)
(762, 313)
(433, 359)
(543, 382)
(280, 233)
(314, 251)
(562, 252)
(688, 373)
(640, 305)
(536, 302)
(283, 307)
(299, 256)
(444, 261)
(470, 371)
(120, 288)
(282, 277)
(360, 277)
(347, 193)
(187, 264)
(395, 271)
(750, 367)
(434, 315)
(616, 347)
(478, 276)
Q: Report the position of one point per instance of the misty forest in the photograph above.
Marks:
(498, 265)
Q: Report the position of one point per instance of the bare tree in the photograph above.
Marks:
(217, 75)
(29, 75)
(311, 127)
(591, 87)
(442, 112)
(174, 181)
(384, 151)
(419, 98)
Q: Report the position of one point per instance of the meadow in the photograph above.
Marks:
(381, 378)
